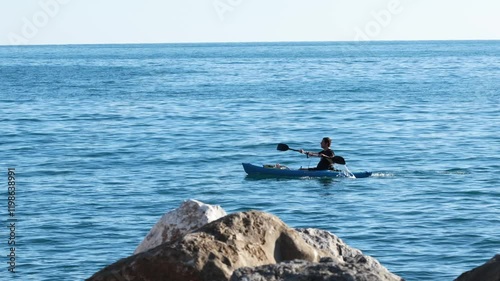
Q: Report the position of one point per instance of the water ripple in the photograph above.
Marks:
(112, 137)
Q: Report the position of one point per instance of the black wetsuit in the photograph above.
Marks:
(325, 163)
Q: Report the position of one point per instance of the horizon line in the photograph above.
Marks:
(244, 42)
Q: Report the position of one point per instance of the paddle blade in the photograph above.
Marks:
(282, 147)
(338, 160)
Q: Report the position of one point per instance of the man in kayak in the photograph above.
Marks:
(326, 162)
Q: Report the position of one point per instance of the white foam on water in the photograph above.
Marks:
(345, 171)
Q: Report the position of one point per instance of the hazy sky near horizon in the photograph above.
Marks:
(166, 21)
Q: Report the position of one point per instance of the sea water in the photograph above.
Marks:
(105, 139)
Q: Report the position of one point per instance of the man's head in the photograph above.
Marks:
(326, 142)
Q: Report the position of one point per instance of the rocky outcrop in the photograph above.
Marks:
(300, 270)
(340, 262)
(214, 251)
(329, 243)
(192, 214)
(490, 271)
(250, 246)
(351, 261)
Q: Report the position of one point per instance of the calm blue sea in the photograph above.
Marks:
(105, 139)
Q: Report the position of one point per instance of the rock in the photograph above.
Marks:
(300, 270)
(354, 262)
(329, 243)
(192, 214)
(490, 271)
(215, 250)
(340, 263)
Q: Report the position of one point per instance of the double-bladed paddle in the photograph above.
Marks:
(335, 159)
(285, 147)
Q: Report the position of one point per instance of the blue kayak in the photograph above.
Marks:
(282, 171)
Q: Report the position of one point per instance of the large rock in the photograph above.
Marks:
(192, 214)
(329, 243)
(490, 271)
(342, 263)
(300, 270)
(349, 259)
(214, 251)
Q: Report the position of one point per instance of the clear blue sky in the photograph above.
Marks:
(169, 21)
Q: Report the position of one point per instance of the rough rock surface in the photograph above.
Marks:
(351, 260)
(341, 263)
(490, 271)
(214, 251)
(328, 242)
(192, 214)
(300, 270)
